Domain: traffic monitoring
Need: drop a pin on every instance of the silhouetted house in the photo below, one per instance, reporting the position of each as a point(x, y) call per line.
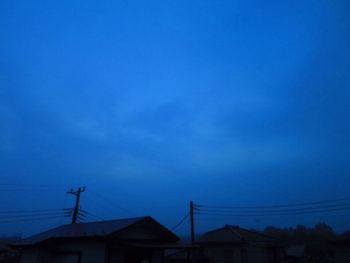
point(7, 252)
point(129, 240)
point(341, 248)
point(238, 245)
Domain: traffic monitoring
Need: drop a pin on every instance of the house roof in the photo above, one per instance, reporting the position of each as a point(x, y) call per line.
point(98, 229)
point(235, 234)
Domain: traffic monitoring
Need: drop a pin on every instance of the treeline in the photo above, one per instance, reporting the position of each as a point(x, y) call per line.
point(301, 234)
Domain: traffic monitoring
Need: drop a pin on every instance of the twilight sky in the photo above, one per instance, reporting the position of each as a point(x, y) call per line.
point(154, 103)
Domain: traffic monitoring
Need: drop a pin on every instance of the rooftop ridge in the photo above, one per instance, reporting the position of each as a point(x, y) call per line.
point(253, 231)
point(108, 220)
point(233, 230)
point(96, 228)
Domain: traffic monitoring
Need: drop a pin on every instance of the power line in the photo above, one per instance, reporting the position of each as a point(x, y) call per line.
point(294, 209)
point(81, 218)
point(28, 220)
point(181, 221)
point(277, 210)
point(98, 205)
point(192, 210)
point(60, 220)
point(91, 215)
point(276, 205)
point(29, 211)
point(274, 214)
point(30, 215)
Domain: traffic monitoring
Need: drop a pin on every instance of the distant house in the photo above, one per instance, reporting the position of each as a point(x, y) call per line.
point(341, 248)
point(132, 240)
point(239, 245)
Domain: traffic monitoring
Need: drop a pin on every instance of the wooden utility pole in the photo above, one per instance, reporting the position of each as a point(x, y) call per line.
point(77, 199)
point(192, 222)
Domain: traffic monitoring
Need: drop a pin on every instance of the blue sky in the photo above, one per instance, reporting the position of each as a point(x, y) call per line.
point(154, 103)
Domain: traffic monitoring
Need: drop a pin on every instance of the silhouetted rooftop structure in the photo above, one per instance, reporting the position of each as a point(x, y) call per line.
point(235, 234)
point(98, 229)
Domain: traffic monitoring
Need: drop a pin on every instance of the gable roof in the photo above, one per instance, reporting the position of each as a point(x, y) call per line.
point(235, 234)
point(98, 229)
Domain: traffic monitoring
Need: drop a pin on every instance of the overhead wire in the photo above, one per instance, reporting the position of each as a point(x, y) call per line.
point(90, 215)
point(98, 206)
point(28, 219)
point(277, 205)
point(180, 222)
point(30, 216)
point(324, 206)
point(18, 214)
point(275, 214)
point(307, 209)
point(29, 211)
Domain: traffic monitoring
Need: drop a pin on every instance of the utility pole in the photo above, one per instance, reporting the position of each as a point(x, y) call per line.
point(77, 199)
point(192, 222)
